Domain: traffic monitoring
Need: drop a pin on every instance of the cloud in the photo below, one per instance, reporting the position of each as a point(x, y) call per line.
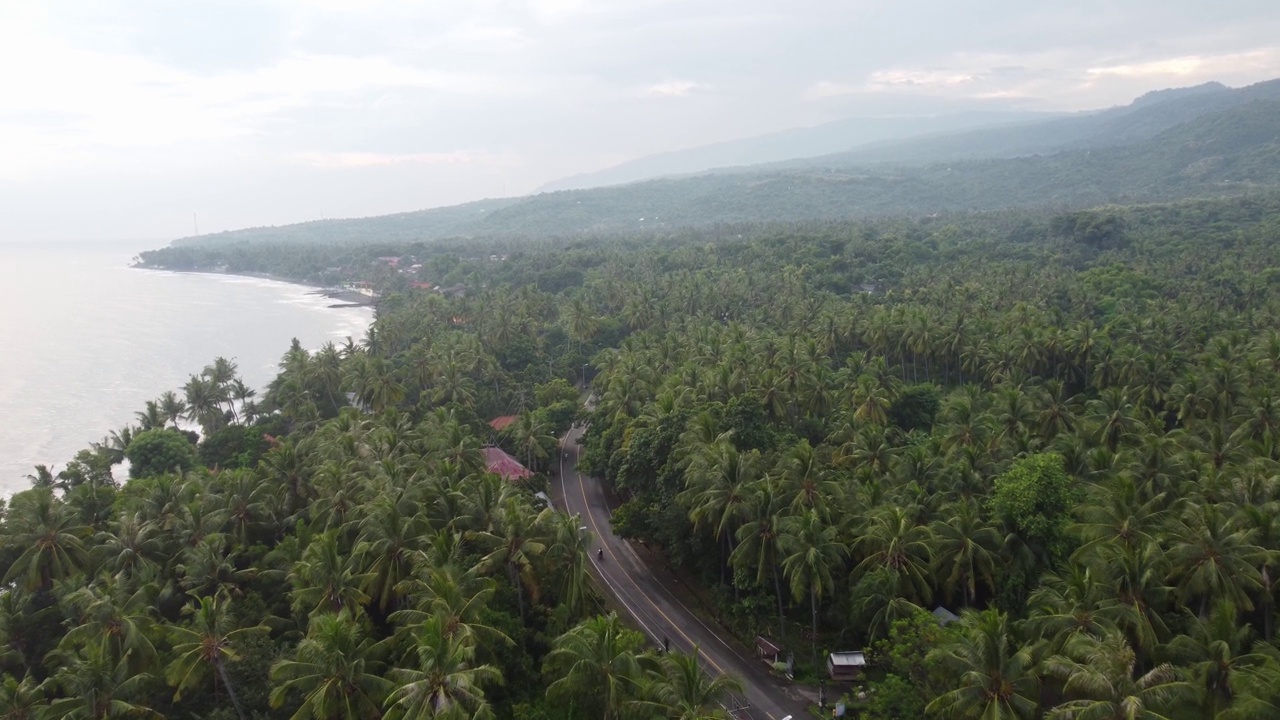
point(1062, 78)
point(884, 79)
point(332, 160)
point(673, 88)
point(1194, 66)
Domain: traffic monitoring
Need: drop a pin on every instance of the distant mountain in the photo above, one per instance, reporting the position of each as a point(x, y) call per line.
point(1197, 142)
point(832, 137)
point(1142, 119)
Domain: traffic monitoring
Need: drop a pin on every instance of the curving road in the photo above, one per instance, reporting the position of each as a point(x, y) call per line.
point(653, 607)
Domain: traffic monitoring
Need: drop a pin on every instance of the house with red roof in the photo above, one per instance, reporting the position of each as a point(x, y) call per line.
point(501, 422)
point(498, 462)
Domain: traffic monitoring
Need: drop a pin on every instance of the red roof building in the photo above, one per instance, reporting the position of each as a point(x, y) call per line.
point(501, 422)
point(500, 463)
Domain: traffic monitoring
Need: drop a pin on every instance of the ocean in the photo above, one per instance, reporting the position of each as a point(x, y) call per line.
point(85, 341)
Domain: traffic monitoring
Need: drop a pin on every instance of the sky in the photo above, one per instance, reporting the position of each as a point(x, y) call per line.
point(137, 119)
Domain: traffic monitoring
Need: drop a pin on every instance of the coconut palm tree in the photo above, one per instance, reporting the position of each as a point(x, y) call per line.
point(114, 617)
point(596, 666)
point(456, 598)
point(203, 648)
point(811, 549)
point(1102, 683)
point(566, 557)
point(95, 687)
point(995, 679)
point(324, 579)
point(892, 541)
point(387, 550)
point(172, 407)
point(335, 671)
point(531, 437)
point(966, 550)
point(51, 538)
point(515, 543)
point(759, 536)
point(21, 699)
point(444, 682)
point(151, 416)
point(1216, 648)
point(1212, 558)
point(715, 492)
point(680, 688)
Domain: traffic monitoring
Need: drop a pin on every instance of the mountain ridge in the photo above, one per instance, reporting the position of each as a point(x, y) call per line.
point(1204, 143)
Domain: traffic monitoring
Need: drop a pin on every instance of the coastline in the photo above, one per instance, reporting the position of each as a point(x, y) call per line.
point(345, 298)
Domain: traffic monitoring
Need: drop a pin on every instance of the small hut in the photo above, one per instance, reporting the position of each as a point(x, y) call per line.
point(767, 651)
point(846, 665)
point(944, 616)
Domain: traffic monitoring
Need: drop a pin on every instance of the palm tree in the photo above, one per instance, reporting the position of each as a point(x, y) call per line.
point(810, 549)
point(128, 548)
point(172, 407)
point(387, 550)
point(995, 679)
point(203, 649)
point(204, 403)
point(566, 557)
point(531, 436)
point(967, 549)
point(808, 481)
point(759, 536)
point(94, 687)
point(114, 618)
point(51, 538)
point(715, 491)
point(151, 416)
point(457, 599)
point(1217, 649)
point(1099, 675)
point(679, 688)
point(1256, 689)
point(871, 401)
point(20, 700)
point(596, 665)
point(443, 684)
point(892, 541)
point(1213, 558)
point(324, 580)
point(514, 548)
point(333, 670)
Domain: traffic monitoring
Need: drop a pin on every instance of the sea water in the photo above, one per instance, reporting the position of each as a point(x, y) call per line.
point(85, 341)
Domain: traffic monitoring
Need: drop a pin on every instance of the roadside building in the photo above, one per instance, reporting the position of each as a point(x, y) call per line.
point(846, 665)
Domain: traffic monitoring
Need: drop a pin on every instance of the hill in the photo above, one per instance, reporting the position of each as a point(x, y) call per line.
point(832, 137)
point(1156, 150)
point(944, 138)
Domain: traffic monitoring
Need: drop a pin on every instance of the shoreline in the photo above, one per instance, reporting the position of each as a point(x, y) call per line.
point(345, 298)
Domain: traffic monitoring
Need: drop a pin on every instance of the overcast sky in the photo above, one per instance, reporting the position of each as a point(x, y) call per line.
point(119, 119)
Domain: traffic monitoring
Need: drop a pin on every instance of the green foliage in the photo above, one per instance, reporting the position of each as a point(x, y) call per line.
point(1036, 498)
point(915, 407)
point(155, 452)
point(1080, 431)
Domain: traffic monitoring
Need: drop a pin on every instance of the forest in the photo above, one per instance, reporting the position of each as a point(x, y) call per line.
point(1062, 426)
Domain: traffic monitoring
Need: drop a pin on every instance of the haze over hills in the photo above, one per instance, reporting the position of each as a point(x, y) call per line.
point(1208, 140)
point(825, 139)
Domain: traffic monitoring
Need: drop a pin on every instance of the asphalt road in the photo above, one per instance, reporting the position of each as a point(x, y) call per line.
point(653, 607)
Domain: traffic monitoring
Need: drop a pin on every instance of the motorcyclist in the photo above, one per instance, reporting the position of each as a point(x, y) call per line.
point(599, 553)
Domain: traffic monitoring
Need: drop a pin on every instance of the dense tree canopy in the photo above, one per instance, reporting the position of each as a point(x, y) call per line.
point(1063, 428)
